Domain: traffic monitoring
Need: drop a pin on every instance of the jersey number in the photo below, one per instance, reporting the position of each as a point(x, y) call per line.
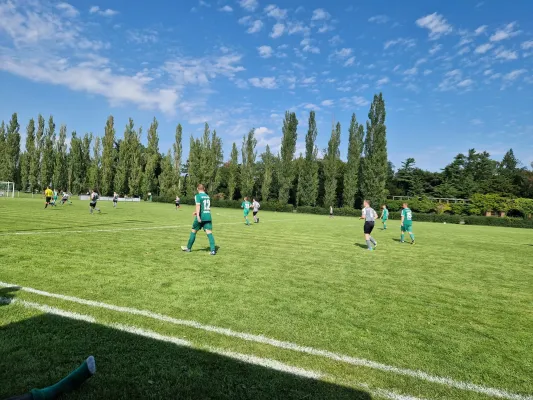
point(207, 205)
point(409, 216)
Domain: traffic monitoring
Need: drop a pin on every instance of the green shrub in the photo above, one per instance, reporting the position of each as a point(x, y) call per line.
point(394, 205)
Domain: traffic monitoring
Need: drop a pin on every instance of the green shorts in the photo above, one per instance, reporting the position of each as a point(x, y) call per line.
point(205, 225)
point(246, 213)
point(384, 220)
point(407, 227)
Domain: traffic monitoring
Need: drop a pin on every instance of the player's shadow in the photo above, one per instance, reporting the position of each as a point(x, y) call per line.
point(7, 294)
point(39, 351)
point(209, 249)
point(396, 240)
point(363, 246)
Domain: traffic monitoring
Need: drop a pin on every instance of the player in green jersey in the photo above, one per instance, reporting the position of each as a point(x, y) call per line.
point(384, 216)
point(407, 223)
point(202, 220)
point(246, 207)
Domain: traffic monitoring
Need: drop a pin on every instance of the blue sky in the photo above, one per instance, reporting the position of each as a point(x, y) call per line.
point(454, 74)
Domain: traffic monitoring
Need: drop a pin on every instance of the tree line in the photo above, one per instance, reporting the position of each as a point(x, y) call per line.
point(124, 164)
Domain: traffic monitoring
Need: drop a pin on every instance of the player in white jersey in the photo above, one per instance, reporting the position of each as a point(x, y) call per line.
point(256, 206)
point(369, 215)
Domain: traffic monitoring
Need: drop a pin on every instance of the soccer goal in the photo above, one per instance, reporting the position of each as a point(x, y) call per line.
point(7, 189)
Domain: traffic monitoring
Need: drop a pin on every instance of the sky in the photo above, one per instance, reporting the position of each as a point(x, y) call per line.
point(455, 74)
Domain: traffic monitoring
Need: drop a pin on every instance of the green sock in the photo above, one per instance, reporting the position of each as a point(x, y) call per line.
point(247, 222)
point(402, 237)
point(412, 237)
point(211, 239)
point(67, 384)
point(192, 238)
point(384, 225)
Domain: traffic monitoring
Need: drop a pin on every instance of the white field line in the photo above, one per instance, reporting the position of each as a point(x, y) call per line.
point(468, 386)
point(249, 359)
point(137, 228)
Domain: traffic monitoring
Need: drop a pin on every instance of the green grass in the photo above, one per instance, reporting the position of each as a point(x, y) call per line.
point(458, 304)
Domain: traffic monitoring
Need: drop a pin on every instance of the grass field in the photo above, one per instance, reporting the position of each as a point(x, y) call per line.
point(291, 308)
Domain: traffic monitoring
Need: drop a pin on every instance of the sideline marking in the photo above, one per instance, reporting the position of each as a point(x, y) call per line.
point(249, 359)
point(468, 386)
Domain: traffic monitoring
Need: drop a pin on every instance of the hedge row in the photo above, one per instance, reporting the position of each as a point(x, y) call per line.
point(350, 212)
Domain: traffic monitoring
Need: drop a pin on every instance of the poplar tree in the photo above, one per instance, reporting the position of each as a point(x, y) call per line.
point(3, 152)
point(48, 159)
point(288, 147)
point(375, 149)
point(12, 150)
point(124, 164)
point(86, 161)
point(35, 162)
point(166, 178)
point(108, 157)
point(96, 164)
point(331, 159)
point(60, 176)
point(249, 142)
point(26, 180)
point(308, 181)
point(268, 161)
point(355, 149)
point(233, 181)
point(153, 159)
point(136, 175)
point(178, 154)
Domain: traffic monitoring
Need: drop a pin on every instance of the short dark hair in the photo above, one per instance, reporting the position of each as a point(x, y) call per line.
point(200, 187)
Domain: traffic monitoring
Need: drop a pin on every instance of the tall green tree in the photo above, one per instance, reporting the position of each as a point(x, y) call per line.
point(12, 150)
point(153, 159)
point(26, 180)
point(288, 147)
point(248, 153)
point(136, 176)
point(108, 157)
point(331, 159)
point(207, 158)
point(86, 160)
point(76, 165)
point(3, 154)
point(233, 182)
point(308, 181)
point(95, 180)
point(353, 164)
point(124, 164)
point(60, 176)
point(375, 148)
point(177, 147)
point(167, 177)
point(35, 162)
point(48, 159)
point(268, 161)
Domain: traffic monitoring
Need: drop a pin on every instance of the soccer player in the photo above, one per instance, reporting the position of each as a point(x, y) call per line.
point(177, 202)
point(115, 199)
point(256, 206)
point(202, 220)
point(369, 215)
point(92, 204)
point(407, 223)
point(65, 198)
point(384, 216)
point(331, 211)
point(246, 207)
point(48, 196)
point(55, 197)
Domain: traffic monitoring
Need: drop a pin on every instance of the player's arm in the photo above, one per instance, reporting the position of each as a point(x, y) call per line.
point(401, 218)
point(362, 215)
point(197, 212)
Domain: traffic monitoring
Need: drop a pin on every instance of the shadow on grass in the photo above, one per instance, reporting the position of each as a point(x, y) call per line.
point(363, 246)
point(39, 351)
point(7, 294)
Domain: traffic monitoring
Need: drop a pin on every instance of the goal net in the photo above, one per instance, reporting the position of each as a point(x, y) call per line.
point(7, 189)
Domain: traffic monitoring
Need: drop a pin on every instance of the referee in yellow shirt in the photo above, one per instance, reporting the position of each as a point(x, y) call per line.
point(48, 196)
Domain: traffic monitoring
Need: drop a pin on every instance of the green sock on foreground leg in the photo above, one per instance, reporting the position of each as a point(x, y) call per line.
point(402, 237)
point(72, 382)
point(192, 238)
point(211, 239)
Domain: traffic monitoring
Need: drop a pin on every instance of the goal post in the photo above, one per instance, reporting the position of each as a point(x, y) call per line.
point(7, 189)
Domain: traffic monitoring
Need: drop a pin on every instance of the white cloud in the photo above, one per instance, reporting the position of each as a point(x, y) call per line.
point(513, 75)
point(327, 103)
point(343, 53)
point(436, 24)
point(476, 121)
point(306, 43)
point(435, 48)
point(465, 83)
point(464, 50)
point(226, 8)
point(504, 33)
point(407, 43)
point(294, 27)
point(320, 14)
point(265, 51)
point(143, 36)
point(349, 62)
point(427, 72)
point(311, 106)
point(326, 28)
point(482, 49)
point(275, 12)
point(353, 102)
point(480, 30)
point(68, 10)
point(277, 30)
point(105, 13)
point(335, 40)
point(454, 80)
point(308, 81)
point(249, 5)
point(379, 19)
point(382, 81)
point(264, 83)
point(411, 71)
point(527, 45)
point(255, 26)
point(504, 54)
